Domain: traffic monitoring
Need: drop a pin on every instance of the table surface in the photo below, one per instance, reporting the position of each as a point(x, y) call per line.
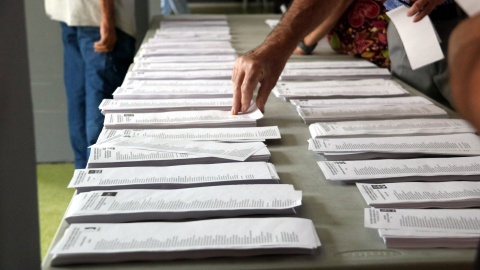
point(336, 209)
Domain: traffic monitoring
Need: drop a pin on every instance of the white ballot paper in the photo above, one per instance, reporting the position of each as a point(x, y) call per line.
point(197, 134)
point(195, 17)
point(434, 220)
point(458, 194)
point(130, 205)
point(325, 103)
point(146, 52)
point(94, 243)
point(149, 105)
point(185, 59)
point(337, 89)
point(179, 75)
point(198, 44)
point(464, 144)
point(367, 112)
point(471, 7)
point(183, 37)
point(235, 151)
point(173, 92)
point(106, 157)
point(178, 119)
point(182, 66)
point(333, 74)
point(428, 239)
point(419, 39)
point(329, 64)
point(401, 170)
point(139, 84)
point(385, 128)
point(174, 177)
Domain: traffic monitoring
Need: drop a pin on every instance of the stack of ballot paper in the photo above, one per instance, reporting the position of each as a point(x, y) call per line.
point(426, 228)
point(401, 170)
point(174, 177)
point(237, 134)
point(239, 151)
point(392, 127)
point(458, 194)
point(212, 59)
point(173, 92)
point(329, 65)
point(149, 105)
point(95, 242)
point(182, 119)
point(129, 205)
point(106, 157)
point(367, 112)
point(179, 75)
point(464, 144)
point(326, 103)
point(182, 66)
point(339, 89)
point(334, 74)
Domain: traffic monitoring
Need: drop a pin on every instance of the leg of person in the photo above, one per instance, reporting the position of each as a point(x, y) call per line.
point(74, 78)
point(104, 73)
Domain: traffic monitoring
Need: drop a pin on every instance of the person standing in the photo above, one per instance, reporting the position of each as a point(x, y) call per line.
point(98, 46)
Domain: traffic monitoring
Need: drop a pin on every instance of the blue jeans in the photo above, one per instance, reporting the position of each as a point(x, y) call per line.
point(89, 78)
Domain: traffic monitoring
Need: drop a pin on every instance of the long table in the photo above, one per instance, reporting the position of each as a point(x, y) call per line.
point(336, 209)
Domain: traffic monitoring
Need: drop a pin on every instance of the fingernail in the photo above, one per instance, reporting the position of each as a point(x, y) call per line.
point(233, 111)
point(244, 108)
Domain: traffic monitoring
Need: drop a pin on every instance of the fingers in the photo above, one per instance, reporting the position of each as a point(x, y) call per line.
point(422, 8)
point(237, 90)
point(250, 82)
point(263, 93)
point(245, 78)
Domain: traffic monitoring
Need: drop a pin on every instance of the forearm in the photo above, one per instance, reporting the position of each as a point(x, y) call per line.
point(302, 18)
point(464, 61)
point(107, 9)
point(324, 28)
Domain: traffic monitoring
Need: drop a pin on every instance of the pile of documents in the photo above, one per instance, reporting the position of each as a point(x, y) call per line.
point(368, 130)
point(107, 242)
point(171, 150)
point(426, 228)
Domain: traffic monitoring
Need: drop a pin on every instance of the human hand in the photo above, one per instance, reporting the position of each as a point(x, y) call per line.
point(422, 8)
point(263, 65)
point(108, 38)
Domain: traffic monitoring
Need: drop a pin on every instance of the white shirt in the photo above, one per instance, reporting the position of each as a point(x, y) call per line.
point(87, 13)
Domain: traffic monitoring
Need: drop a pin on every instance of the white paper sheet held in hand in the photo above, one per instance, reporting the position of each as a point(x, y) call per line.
point(419, 39)
point(458, 194)
point(233, 151)
point(129, 205)
point(390, 170)
point(177, 240)
point(174, 177)
point(435, 220)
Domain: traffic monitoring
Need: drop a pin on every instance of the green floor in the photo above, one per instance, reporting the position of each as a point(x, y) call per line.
point(53, 198)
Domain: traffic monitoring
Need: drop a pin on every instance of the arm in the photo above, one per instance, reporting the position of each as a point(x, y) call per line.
point(422, 8)
point(464, 62)
point(108, 36)
point(325, 27)
point(265, 63)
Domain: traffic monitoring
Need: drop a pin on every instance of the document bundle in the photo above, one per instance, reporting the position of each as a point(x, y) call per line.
point(119, 242)
point(127, 205)
point(465, 144)
point(426, 228)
